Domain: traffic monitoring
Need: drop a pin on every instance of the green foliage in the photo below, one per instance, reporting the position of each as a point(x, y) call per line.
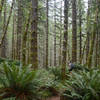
point(83, 85)
point(80, 67)
point(50, 83)
point(19, 82)
point(10, 62)
point(23, 82)
point(56, 71)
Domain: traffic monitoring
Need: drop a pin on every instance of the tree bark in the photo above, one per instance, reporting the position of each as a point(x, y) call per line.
point(24, 42)
point(47, 31)
point(74, 32)
point(34, 24)
point(80, 29)
point(60, 55)
point(4, 45)
point(6, 27)
point(65, 40)
point(89, 60)
point(88, 33)
point(1, 6)
point(13, 35)
point(54, 32)
point(19, 28)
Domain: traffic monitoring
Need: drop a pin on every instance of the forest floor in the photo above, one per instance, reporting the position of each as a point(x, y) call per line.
point(54, 98)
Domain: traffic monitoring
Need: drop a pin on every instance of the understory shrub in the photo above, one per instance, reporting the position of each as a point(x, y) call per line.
point(23, 83)
point(83, 85)
point(19, 82)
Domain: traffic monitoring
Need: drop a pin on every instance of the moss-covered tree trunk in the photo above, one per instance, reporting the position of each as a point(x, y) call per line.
point(19, 28)
point(55, 22)
point(1, 6)
point(4, 45)
point(13, 35)
point(74, 32)
point(80, 30)
point(88, 30)
point(90, 55)
point(24, 40)
point(96, 49)
point(65, 40)
point(7, 23)
point(34, 24)
point(89, 60)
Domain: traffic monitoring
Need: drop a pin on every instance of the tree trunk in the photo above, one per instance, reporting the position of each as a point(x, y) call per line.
point(65, 40)
point(24, 42)
point(1, 6)
point(47, 31)
point(19, 28)
point(80, 29)
point(97, 39)
point(13, 34)
point(60, 55)
point(88, 33)
point(96, 50)
point(54, 32)
point(4, 45)
point(74, 32)
point(6, 27)
point(89, 60)
point(34, 24)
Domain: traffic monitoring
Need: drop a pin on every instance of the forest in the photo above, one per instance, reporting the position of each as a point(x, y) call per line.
point(49, 49)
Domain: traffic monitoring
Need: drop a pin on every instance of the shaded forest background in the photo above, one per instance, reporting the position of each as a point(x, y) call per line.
point(50, 32)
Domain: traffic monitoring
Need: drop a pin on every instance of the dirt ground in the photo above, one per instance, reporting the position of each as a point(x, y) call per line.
point(54, 98)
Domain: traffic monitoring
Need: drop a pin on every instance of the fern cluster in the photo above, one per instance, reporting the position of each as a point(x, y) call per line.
point(19, 82)
point(83, 85)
